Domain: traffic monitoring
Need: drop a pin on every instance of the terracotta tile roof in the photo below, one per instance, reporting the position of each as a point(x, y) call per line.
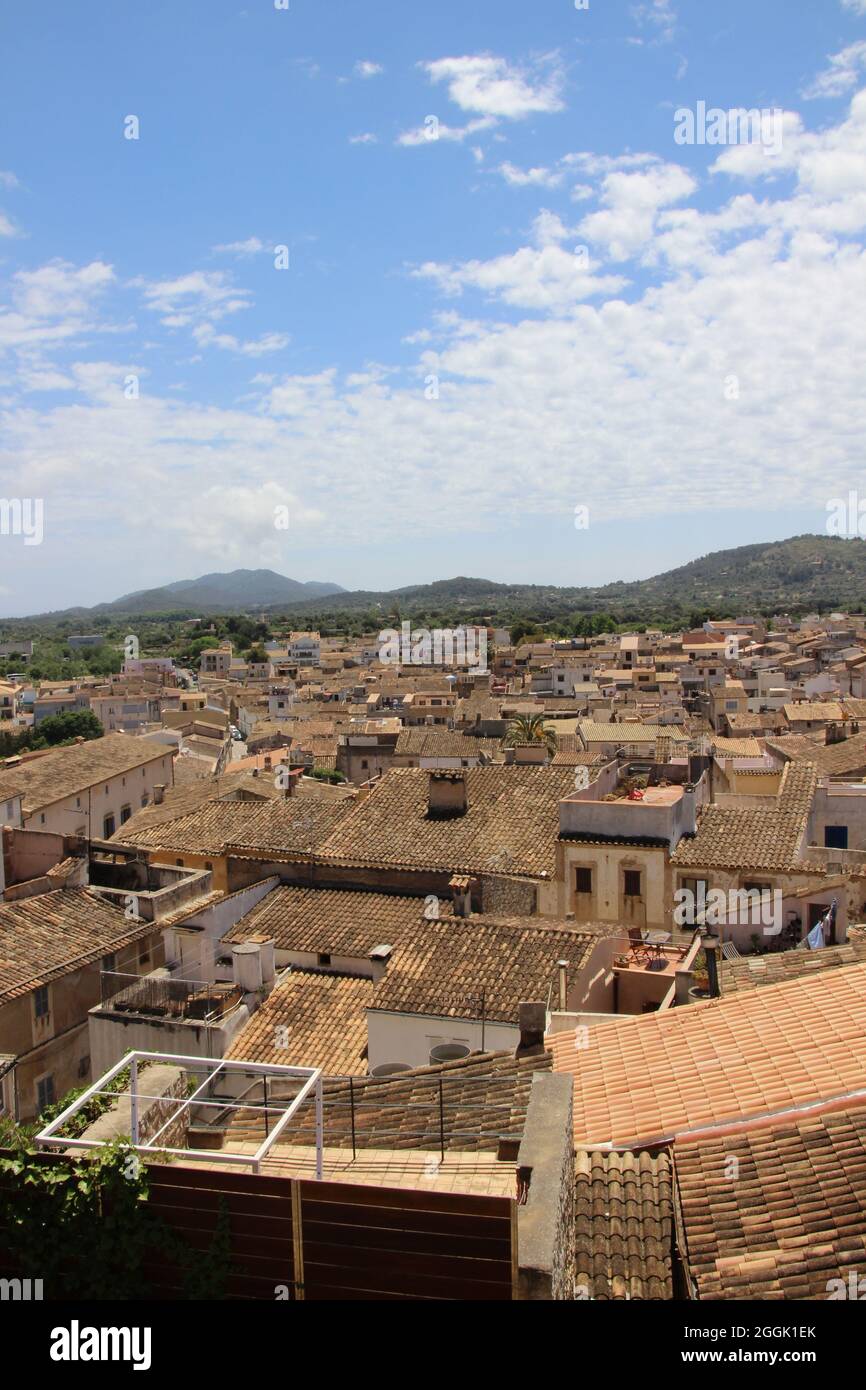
point(753, 723)
point(825, 710)
point(628, 732)
point(292, 825)
point(310, 1020)
point(833, 759)
point(791, 1220)
point(65, 771)
point(432, 743)
point(512, 816)
point(752, 972)
point(55, 933)
point(760, 837)
point(341, 922)
point(484, 1097)
point(737, 747)
point(649, 1077)
point(448, 964)
point(623, 1225)
point(189, 796)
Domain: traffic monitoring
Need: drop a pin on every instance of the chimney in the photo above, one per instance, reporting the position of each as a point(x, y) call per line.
point(159, 794)
point(379, 957)
point(247, 966)
point(461, 895)
point(446, 795)
point(531, 1019)
point(562, 968)
point(689, 822)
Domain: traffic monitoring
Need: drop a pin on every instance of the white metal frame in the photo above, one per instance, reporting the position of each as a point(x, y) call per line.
point(312, 1081)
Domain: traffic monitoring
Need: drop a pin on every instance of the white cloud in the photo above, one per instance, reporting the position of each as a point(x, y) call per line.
point(7, 227)
point(492, 87)
point(206, 336)
point(858, 6)
point(251, 247)
point(367, 138)
point(842, 72)
point(364, 68)
point(431, 134)
point(546, 277)
point(539, 177)
point(201, 292)
point(602, 389)
point(658, 15)
point(627, 221)
point(594, 165)
point(8, 179)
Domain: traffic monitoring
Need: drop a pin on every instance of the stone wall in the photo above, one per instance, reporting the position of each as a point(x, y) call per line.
point(545, 1169)
point(508, 897)
point(167, 1084)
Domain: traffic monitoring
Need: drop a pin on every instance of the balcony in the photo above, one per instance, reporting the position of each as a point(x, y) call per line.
point(163, 996)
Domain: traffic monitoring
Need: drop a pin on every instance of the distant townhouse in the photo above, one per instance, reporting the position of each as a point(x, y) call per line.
point(304, 648)
point(17, 651)
point(8, 700)
point(216, 661)
point(88, 788)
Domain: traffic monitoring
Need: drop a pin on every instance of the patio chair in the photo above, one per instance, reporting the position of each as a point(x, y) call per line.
point(647, 945)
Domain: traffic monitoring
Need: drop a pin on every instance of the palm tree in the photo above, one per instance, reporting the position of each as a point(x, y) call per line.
point(531, 728)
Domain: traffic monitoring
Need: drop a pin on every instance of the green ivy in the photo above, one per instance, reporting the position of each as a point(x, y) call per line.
point(83, 1227)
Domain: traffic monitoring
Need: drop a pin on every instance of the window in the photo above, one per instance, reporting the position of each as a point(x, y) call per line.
point(631, 883)
point(42, 818)
point(40, 1002)
point(583, 880)
point(125, 813)
point(324, 958)
point(835, 837)
point(83, 1067)
point(44, 1092)
point(179, 863)
point(78, 803)
point(109, 962)
point(107, 827)
point(143, 952)
point(208, 865)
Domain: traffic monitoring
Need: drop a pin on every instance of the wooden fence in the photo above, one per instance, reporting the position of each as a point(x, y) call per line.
point(298, 1239)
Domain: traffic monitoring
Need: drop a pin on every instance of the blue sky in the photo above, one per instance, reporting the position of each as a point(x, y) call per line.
point(551, 305)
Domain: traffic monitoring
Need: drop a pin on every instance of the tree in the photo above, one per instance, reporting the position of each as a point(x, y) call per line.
point(257, 656)
point(58, 728)
point(531, 728)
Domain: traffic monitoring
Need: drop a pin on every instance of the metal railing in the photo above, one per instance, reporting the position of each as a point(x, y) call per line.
point(166, 996)
point(449, 1116)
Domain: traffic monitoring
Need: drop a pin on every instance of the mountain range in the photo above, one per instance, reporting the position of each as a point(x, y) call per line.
point(802, 572)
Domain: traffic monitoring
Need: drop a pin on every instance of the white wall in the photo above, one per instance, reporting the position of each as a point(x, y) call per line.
point(85, 811)
point(408, 1038)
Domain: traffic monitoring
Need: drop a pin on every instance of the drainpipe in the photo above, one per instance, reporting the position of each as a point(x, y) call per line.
point(562, 966)
point(711, 946)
